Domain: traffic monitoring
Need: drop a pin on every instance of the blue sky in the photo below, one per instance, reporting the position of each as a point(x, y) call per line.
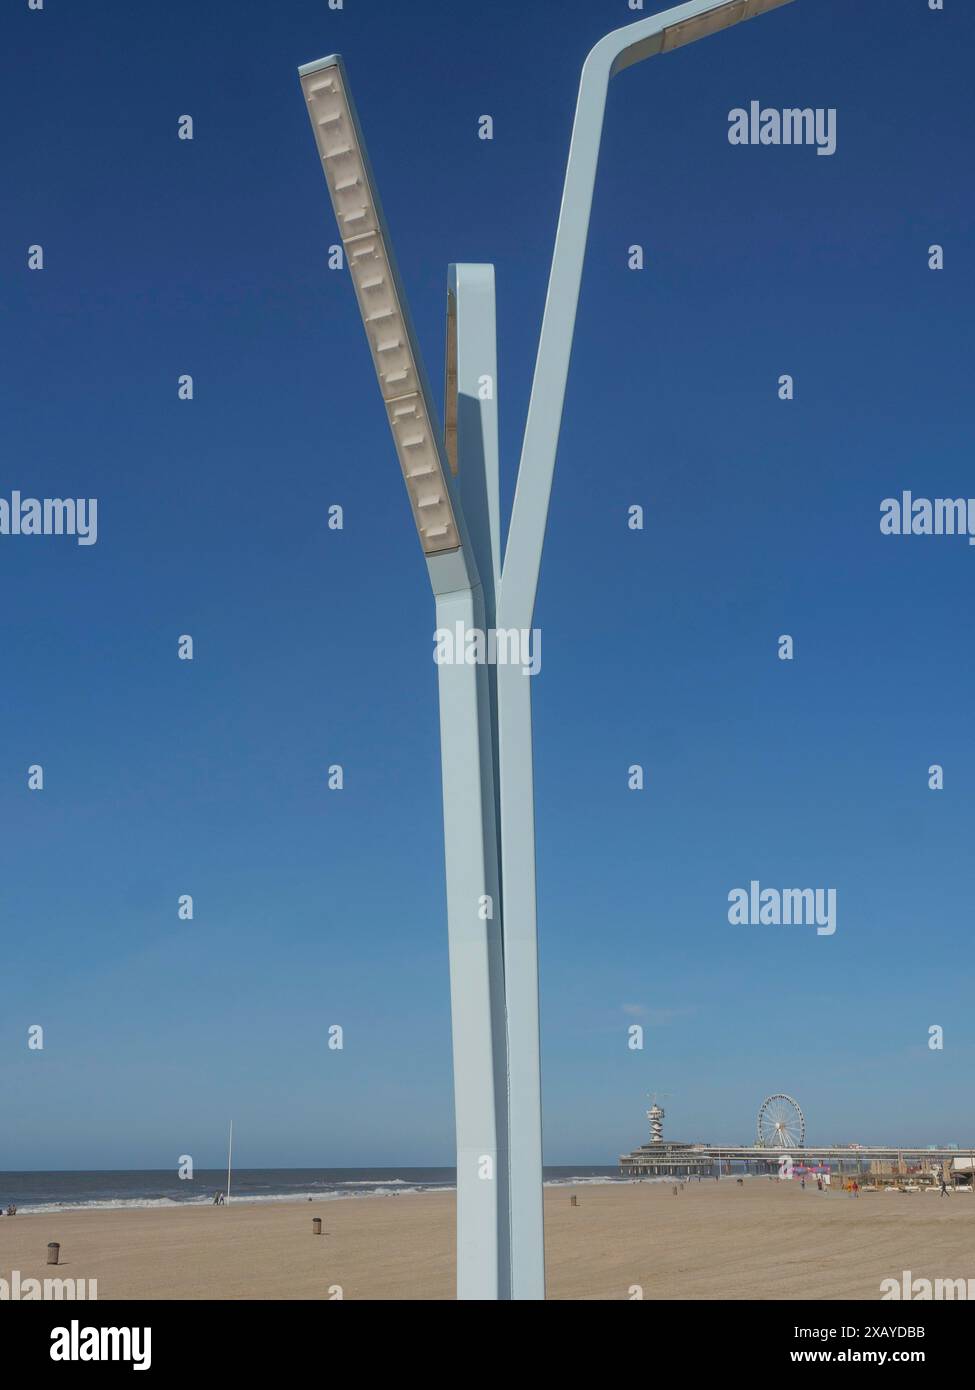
point(312, 907)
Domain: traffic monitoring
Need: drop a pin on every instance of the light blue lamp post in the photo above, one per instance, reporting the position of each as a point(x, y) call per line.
point(485, 711)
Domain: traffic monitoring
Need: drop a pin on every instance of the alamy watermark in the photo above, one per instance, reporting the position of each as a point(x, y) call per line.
point(926, 1290)
point(756, 906)
point(498, 646)
point(791, 126)
point(50, 516)
point(19, 1290)
point(77, 1343)
point(923, 516)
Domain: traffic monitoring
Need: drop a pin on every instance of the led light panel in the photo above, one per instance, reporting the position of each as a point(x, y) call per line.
point(420, 460)
point(732, 12)
point(367, 256)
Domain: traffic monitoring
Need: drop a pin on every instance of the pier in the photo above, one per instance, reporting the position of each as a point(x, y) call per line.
point(782, 1141)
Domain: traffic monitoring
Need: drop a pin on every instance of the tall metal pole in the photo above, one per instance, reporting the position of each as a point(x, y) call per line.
point(474, 906)
point(468, 740)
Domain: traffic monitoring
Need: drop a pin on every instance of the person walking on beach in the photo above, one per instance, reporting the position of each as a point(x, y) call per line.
point(855, 1188)
point(944, 1186)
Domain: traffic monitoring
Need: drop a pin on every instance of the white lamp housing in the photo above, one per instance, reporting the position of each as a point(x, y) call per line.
point(381, 303)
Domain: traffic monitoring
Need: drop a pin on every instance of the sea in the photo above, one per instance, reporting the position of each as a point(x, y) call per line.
point(101, 1191)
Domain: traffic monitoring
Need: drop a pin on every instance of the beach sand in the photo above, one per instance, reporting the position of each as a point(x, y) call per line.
point(765, 1240)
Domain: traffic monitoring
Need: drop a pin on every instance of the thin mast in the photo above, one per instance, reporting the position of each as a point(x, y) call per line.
point(230, 1152)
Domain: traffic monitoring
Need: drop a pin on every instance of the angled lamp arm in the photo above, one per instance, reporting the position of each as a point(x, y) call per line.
point(618, 50)
point(403, 382)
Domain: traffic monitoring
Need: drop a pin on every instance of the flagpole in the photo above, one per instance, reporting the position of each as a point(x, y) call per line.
point(230, 1152)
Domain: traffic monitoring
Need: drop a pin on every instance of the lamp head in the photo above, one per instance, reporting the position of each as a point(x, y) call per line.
point(722, 16)
point(382, 304)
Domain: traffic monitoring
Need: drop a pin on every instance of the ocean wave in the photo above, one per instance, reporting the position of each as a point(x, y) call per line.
point(245, 1199)
point(586, 1180)
point(342, 1190)
point(369, 1182)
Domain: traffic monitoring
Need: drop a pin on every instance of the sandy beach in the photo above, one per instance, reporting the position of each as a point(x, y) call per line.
point(765, 1240)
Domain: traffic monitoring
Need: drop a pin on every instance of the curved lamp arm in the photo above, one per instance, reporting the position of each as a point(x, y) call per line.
point(658, 34)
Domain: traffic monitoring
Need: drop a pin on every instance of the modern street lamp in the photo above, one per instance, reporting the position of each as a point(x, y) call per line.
point(485, 712)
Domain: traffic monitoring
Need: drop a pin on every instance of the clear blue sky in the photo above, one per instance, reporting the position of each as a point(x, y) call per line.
point(163, 777)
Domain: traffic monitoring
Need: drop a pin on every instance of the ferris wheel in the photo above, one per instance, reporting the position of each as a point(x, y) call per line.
point(781, 1123)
